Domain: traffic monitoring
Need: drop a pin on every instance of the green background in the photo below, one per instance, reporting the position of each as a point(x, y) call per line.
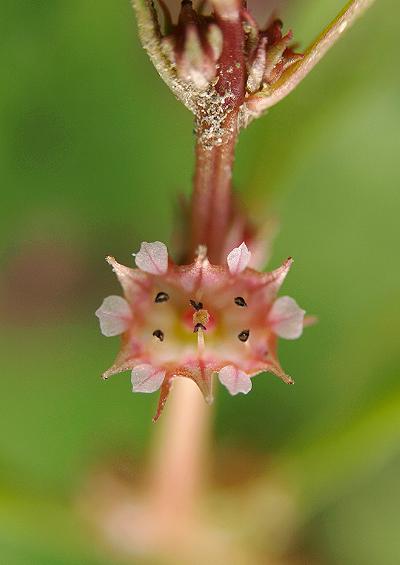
point(94, 152)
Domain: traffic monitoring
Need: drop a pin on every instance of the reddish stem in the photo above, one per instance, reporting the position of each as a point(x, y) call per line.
point(212, 194)
point(212, 210)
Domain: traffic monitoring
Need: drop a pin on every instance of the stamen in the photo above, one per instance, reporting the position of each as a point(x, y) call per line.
point(198, 327)
point(196, 305)
point(162, 297)
point(244, 335)
point(159, 334)
point(240, 301)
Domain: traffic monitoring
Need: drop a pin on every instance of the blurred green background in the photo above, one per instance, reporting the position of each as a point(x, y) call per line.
point(94, 151)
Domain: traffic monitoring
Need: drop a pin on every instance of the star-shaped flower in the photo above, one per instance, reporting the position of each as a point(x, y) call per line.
point(198, 320)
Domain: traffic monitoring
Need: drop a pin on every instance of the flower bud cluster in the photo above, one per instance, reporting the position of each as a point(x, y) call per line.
point(220, 54)
point(218, 51)
point(194, 46)
point(270, 54)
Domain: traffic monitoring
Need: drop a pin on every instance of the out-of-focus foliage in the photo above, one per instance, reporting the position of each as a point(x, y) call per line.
point(94, 151)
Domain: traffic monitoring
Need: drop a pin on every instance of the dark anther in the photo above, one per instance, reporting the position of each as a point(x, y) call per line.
point(244, 335)
point(161, 297)
point(240, 301)
point(159, 334)
point(197, 327)
point(196, 305)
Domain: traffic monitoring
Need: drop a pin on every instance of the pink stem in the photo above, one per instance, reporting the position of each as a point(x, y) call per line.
point(179, 462)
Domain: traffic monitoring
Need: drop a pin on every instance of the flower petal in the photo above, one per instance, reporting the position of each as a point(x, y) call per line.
point(164, 392)
point(286, 318)
point(152, 258)
point(146, 378)
point(201, 372)
point(200, 274)
point(238, 259)
point(271, 362)
point(133, 281)
point(275, 279)
point(235, 380)
point(114, 315)
point(128, 357)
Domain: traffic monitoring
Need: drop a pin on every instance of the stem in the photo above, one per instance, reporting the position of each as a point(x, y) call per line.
point(217, 132)
point(212, 193)
point(179, 461)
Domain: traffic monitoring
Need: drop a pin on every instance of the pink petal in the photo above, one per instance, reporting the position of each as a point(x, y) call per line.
point(235, 380)
point(133, 281)
point(201, 372)
point(164, 392)
point(146, 378)
point(238, 259)
point(286, 318)
point(273, 366)
point(271, 363)
point(114, 316)
point(128, 357)
point(153, 258)
point(274, 280)
point(200, 274)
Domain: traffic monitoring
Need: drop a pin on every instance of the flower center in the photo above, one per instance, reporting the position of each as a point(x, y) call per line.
point(215, 324)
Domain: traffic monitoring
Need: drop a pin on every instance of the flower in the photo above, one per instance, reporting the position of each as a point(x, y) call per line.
point(198, 320)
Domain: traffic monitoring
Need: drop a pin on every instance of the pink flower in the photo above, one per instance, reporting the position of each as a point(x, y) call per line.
point(198, 320)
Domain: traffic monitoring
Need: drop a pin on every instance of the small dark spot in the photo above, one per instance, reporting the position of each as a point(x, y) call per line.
point(159, 334)
point(197, 327)
point(196, 305)
point(240, 301)
point(162, 297)
point(244, 335)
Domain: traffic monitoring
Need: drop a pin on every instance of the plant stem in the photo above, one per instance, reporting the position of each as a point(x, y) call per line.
point(211, 210)
point(179, 462)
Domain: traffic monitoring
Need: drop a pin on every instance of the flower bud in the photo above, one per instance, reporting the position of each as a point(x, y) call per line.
point(271, 56)
point(193, 47)
point(220, 61)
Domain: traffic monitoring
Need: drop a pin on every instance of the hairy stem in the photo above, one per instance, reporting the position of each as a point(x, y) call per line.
point(211, 210)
